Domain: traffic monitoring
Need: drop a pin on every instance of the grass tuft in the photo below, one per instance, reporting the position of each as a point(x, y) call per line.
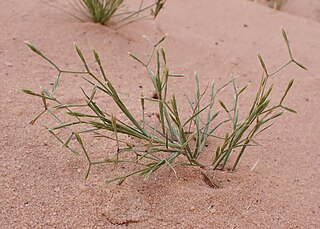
point(101, 11)
point(277, 4)
point(154, 147)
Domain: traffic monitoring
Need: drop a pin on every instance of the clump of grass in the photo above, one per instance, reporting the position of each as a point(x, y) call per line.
point(101, 11)
point(277, 4)
point(156, 147)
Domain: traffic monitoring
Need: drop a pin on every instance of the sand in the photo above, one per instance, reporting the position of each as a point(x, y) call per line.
point(43, 187)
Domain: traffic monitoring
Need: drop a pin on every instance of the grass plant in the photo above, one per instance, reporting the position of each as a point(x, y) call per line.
point(101, 11)
point(277, 4)
point(160, 144)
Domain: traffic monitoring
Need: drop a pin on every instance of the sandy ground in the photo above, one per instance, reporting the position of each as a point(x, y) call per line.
point(42, 187)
